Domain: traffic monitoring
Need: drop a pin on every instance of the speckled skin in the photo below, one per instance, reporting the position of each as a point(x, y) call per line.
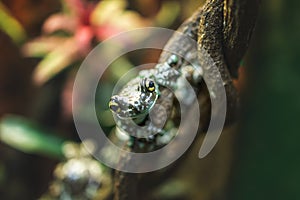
point(136, 102)
point(135, 105)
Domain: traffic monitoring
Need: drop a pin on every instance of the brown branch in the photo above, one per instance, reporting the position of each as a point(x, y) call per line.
point(239, 19)
point(225, 44)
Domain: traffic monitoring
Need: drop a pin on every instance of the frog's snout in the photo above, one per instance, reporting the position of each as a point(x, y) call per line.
point(114, 105)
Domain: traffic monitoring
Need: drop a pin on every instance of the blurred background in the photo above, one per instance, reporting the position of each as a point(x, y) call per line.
point(43, 44)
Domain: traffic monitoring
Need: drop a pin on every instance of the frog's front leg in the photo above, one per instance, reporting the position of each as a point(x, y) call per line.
point(150, 130)
point(143, 132)
point(158, 139)
point(167, 76)
point(169, 72)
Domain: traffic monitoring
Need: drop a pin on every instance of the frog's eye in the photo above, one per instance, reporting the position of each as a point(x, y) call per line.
point(150, 85)
point(114, 106)
point(173, 60)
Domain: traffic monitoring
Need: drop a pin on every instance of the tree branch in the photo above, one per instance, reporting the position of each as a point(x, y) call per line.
point(239, 21)
point(236, 25)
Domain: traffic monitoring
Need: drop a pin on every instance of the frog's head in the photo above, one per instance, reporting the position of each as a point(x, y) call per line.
point(135, 99)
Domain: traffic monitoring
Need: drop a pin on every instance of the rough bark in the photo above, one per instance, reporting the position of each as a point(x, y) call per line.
point(239, 21)
point(225, 30)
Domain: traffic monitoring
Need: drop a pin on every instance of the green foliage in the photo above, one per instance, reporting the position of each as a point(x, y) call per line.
point(11, 26)
point(26, 136)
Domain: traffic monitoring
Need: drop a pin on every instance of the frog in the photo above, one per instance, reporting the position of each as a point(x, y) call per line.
point(139, 95)
point(135, 99)
point(134, 103)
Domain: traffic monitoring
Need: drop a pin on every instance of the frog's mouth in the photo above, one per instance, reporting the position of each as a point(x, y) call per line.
point(137, 117)
point(132, 107)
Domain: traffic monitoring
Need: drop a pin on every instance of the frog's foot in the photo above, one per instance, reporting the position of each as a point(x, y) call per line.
point(166, 137)
point(154, 141)
point(142, 142)
point(192, 73)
